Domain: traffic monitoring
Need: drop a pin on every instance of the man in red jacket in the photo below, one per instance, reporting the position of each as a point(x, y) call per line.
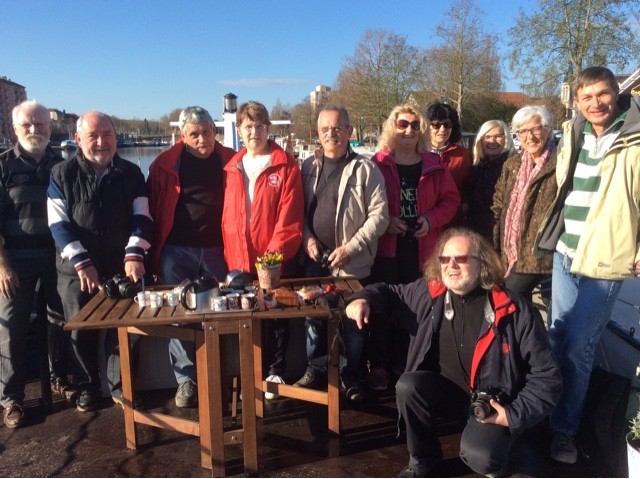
point(186, 188)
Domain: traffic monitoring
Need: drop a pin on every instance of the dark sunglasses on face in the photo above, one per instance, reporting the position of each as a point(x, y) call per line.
point(437, 124)
point(462, 259)
point(404, 124)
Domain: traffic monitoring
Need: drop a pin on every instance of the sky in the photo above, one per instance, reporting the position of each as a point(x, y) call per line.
point(143, 59)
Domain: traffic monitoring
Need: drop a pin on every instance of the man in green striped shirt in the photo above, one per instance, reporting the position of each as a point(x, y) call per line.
point(593, 228)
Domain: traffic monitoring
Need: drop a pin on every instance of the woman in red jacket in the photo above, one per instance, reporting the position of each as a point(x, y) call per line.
point(422, 198)
point(445, 132)
point(263, 211)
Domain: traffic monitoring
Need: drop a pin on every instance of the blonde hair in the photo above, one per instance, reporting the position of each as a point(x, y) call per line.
point(387, 139)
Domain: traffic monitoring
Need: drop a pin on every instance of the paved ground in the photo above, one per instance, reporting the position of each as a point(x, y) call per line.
point(293, 443)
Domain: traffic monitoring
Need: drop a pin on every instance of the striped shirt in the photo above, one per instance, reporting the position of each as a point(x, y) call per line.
point(585, 183)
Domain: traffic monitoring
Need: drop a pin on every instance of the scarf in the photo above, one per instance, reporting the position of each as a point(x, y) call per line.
point(513, 220)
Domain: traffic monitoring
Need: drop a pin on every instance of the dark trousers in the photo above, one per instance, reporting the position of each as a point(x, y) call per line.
point(423, 396)
point(525, 283)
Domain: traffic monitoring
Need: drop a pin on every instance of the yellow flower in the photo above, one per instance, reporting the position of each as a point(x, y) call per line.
point(269, 258)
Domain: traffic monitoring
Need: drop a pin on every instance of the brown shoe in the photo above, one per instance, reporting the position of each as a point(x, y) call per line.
point(13, 415)
point(61, 386)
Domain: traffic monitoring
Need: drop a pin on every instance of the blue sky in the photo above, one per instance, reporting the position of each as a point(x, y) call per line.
point(142, 59)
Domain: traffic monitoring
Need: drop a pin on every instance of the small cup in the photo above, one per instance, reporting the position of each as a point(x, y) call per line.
point(248, 301)
point(156, 300)
point(141, 299)
point(234, 300)
point(172, 298)
point(218, 303)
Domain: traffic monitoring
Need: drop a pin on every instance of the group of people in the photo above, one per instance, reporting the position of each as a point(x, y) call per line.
point(449, 245)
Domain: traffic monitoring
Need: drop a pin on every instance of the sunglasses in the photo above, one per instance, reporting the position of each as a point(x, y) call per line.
point(437, 124)
point(462, 259)
point(404, 124)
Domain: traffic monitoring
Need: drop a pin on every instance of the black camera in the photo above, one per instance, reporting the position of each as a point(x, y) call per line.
point(412, 227)
point(480, 407)
point(121, 287)
point(324, 261)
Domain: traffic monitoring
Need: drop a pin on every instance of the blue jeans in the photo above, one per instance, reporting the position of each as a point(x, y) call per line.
point(580, 310)
point(316, 339)
point(177, 264)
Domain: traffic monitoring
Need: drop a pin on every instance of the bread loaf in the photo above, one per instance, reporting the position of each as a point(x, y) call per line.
point(285, 297)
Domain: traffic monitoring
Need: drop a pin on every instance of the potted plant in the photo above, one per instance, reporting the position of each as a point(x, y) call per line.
point(269, 268)
point(633, 447)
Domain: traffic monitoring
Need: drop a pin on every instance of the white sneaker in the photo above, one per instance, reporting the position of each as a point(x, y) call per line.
point(273, 379)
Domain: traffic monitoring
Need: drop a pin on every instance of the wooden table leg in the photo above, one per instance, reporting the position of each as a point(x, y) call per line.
point(257, 365)
point(208, 366)
point(250, 390)
point(127, 388)
point(333, 378)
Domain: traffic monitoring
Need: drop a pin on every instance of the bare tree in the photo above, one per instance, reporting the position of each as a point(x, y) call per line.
point(466, 63)
point(378, 76)
point(572, 34)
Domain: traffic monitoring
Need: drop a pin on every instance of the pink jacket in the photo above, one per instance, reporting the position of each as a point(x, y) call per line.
point(438, 200)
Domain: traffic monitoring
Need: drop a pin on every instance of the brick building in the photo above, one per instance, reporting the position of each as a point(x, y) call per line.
point(10, 95)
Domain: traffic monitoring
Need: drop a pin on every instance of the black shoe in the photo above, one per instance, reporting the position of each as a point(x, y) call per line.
point(87, 401)
point(312, 380)
point(416, 470)
point(353, 391)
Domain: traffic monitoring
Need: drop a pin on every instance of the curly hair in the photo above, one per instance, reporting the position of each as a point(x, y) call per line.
point(387, 139)
point(491, 268)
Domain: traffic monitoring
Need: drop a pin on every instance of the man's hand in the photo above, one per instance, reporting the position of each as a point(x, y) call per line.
point(9, 281)
point(359, 311)
point(313, 249)
point(339, 257)
point(500, 417)
point(89, 279)
point(134, 270)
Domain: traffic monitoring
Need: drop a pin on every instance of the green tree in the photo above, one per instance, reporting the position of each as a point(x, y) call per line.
point(572, 35)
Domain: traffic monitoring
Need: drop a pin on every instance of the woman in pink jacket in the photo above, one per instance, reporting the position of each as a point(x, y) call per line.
point(422, 198)
point(263, 211)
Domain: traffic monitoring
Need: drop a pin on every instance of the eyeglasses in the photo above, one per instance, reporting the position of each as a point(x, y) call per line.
point(437, 124)
point(493, 138)
point(535, 131)
point(458, 260)
point(404, 124)
point(336, 129)
point(259, 127)
point(27, 126)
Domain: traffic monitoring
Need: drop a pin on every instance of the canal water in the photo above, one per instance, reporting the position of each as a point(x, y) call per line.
point(139, 155)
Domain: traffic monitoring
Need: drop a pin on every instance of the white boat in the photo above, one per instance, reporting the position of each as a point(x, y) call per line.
point(69, 145)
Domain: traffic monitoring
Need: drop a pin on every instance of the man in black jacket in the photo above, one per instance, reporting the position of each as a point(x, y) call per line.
point(99, 218)
point(469, 338)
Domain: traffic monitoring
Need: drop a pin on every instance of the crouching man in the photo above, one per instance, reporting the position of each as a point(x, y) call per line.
point(473, 343)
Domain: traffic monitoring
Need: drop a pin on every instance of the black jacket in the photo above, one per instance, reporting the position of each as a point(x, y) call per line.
point(512, 354)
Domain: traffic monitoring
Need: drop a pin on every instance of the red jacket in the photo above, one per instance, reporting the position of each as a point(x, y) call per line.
point(163, 184)
point(460, 163)
point(277, 211)
point(438, 200)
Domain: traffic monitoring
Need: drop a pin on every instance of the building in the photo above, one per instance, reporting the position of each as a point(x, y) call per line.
point(319, 96)
point(10, 95)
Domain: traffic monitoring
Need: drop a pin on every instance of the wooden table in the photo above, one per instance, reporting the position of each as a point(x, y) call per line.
point(330, 397)
point(125, 315)
point(129, 318)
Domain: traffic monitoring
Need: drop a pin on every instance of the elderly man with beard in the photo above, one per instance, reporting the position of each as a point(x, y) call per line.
point(27, 252)
point(477, 352)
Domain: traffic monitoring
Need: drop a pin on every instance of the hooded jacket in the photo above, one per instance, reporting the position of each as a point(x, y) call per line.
point(164, 191)
point(511, 354)
point(277, 211)
point(438, 200)
point(609, 242)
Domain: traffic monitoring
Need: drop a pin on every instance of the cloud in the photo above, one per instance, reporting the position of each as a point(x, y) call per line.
point(257, 82)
